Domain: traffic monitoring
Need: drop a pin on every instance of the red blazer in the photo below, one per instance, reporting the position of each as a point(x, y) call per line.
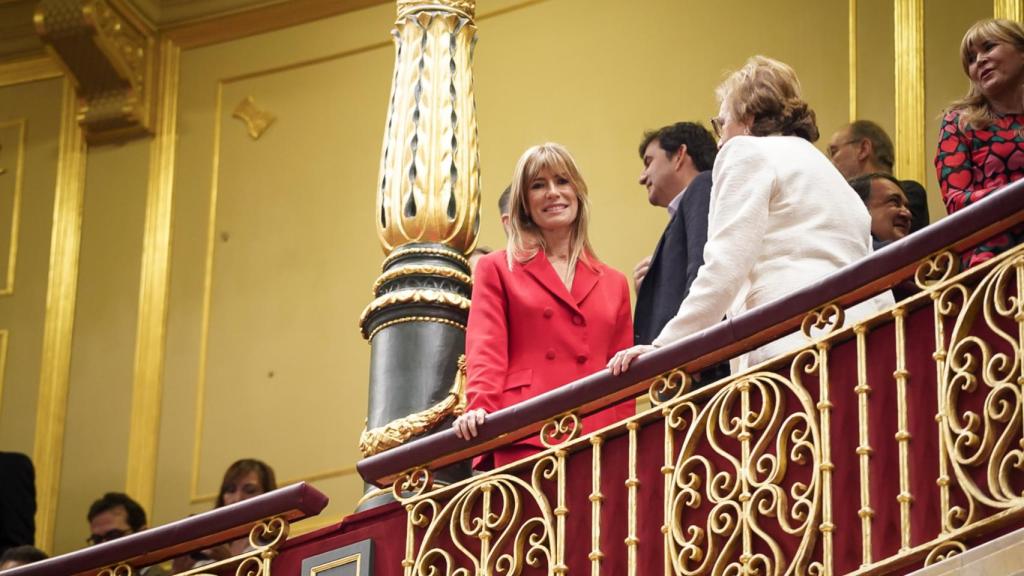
point(527, 334)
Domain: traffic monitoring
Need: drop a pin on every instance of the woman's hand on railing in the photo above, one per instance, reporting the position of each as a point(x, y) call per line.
point(622, 359)
point(465, 425)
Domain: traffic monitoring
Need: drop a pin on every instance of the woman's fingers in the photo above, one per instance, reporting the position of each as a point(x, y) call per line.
point(623, 358)
point(466, 424)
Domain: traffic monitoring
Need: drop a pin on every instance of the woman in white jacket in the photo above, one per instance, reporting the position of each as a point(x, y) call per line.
point(781, 215)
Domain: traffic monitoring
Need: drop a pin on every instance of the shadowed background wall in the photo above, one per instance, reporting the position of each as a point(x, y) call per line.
point(273, 249)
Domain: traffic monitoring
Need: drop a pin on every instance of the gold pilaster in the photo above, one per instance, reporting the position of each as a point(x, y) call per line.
point(430, 172)
point(909, 42)
point(147, 387)
point(1009, 9)
point(111, 54)
point(60, 316)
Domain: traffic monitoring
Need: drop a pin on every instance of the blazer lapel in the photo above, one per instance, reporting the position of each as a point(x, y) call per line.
point(583, 282)
point(541, 270)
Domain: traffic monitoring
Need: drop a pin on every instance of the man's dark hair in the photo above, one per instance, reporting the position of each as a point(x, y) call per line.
point(862, 184)
point(111, 500)
point(23, 555)
point(503, 200)
point(880, 141)
point(700, 145)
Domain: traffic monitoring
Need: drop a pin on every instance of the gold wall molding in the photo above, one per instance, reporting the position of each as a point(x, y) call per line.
point(29, 70)
point(229, 27)
point(909, 43)
point(1009, 9)
point(147, 382)
point(111, 54)
point(256, 119)
point(17, 174)
point(5, 336)
point(60, 316)
point(852, 42)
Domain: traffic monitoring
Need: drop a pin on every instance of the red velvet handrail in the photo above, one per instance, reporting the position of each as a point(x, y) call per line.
point(197, 532)
point(998, 212)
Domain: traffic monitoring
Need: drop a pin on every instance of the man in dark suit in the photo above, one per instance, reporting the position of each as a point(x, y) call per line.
point(17, 500)
point(677, 163)
point(862, 148)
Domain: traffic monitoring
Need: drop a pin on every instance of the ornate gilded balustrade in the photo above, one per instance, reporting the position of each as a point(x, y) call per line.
point(264, 520)
point(878, 446)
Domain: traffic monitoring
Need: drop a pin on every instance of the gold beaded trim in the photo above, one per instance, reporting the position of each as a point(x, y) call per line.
point(390, 323)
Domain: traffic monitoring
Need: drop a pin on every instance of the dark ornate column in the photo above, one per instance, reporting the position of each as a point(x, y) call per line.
point(427, 219)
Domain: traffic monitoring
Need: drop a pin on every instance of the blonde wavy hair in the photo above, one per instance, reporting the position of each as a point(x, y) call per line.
point(767, 92)
point(975, 111)
point(524, 237)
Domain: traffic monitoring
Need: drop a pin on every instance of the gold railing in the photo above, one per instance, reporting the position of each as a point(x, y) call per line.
point(885, 444)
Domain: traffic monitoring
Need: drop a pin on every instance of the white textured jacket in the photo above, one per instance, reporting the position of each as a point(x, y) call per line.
point(781, 217)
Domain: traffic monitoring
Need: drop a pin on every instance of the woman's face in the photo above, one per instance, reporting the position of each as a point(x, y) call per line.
point(243, 488)
point(551, 201)
point(728, 127)
point(995, 67)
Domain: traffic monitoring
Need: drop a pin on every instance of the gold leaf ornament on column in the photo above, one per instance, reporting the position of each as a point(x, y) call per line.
point(429, 184)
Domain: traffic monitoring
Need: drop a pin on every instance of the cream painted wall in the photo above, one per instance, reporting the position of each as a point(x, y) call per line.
point(21, 313)
point(274, 251)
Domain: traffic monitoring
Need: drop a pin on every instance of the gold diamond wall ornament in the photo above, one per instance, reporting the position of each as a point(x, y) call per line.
point(256, 119)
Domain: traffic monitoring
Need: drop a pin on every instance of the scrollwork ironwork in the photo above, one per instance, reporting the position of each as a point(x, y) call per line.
point(746, 461)
point(935, 270)
point(982, 394)
point(496, 525)
point(669, 386)
point(560, 430)
point(828, 319)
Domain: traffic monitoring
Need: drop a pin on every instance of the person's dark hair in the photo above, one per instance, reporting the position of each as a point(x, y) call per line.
point(700, 144)
point(111, 500)
point(242, 468)
point(767, 92)
point(23, 555)
point(862, 184)
point(503, 200)
point(880, 141)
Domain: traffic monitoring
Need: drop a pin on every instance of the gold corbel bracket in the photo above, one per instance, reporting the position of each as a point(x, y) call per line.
point(110, 54)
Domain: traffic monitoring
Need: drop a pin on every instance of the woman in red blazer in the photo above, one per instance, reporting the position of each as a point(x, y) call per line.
point(545, 311)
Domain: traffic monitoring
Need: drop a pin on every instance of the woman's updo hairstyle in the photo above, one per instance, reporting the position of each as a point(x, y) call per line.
point(767, 92)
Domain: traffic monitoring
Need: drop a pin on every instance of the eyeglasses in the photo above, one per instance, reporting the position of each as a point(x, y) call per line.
point(716, 124)
point(106, 536)
point(834, 149)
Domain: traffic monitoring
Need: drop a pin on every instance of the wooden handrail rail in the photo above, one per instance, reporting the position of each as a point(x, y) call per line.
point(183, 536)
point(999, 211)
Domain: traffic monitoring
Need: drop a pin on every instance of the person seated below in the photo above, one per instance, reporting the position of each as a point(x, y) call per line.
point(20, 556)
point(114, 516)
point(862, 148)
point(244, 479)
point(887, 205)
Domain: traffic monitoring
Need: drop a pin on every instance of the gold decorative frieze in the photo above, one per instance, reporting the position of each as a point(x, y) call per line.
point(256, 119)
point(466, 8)
point(111, 55)
point(438, 297)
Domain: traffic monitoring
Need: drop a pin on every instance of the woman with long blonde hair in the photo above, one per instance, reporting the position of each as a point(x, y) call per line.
point(545, 310)
point(981, 142)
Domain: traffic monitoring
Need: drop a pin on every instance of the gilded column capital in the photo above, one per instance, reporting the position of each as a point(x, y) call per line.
point(464, 7)
point(111, 55)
